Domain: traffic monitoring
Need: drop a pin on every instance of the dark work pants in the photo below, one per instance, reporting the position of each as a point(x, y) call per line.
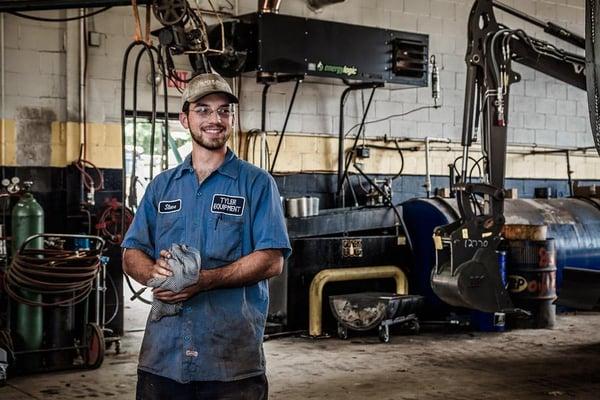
point(154, 387)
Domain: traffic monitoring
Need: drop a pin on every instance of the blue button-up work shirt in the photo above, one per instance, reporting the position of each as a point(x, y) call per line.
point(233, 212)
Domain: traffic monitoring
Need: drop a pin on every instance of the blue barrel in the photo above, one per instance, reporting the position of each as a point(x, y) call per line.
point(421, 216)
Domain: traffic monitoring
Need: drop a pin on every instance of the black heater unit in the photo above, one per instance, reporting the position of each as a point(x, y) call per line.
point(281, 44)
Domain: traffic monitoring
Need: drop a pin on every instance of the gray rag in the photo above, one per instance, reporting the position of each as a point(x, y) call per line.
point(185, 263)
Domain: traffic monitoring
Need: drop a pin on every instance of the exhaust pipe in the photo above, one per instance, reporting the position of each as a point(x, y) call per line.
point(269, 6)
point(317, 5)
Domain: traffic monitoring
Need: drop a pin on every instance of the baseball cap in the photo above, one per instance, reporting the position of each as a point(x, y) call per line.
point(205, 84)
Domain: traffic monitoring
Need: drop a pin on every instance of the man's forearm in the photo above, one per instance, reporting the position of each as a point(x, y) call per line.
point(256, 266)
point(138, 265)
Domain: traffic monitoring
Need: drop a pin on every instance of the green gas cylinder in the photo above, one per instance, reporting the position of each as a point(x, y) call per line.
point(27, 220)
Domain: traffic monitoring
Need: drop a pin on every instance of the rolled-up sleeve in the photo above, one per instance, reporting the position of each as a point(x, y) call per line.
point(141, 233)
point(268, 225)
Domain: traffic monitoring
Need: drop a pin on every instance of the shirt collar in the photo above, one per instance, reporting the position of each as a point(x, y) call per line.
point(185, 166)
point(228, 168)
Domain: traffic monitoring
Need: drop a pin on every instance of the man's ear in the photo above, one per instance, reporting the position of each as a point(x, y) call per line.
point(183, 118)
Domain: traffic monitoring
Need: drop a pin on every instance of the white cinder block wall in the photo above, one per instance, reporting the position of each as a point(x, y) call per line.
point(543, 111)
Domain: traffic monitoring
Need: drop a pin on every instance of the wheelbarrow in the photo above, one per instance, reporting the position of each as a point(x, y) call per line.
point(370, 310)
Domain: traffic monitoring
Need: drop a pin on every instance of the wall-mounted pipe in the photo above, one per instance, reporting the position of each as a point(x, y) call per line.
point(427, 174)
point(82, 86)
point(315, 292)
point(269, 6)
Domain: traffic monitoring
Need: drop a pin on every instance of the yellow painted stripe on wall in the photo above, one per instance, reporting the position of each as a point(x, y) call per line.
point(103, 144)
point(299, 153)
point(8, 152)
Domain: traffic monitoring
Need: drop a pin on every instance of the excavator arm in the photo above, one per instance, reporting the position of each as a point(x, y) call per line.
point(467, 271)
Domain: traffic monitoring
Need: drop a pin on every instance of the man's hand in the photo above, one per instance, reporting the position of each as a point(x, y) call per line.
point(161, 268)
point(168, 296)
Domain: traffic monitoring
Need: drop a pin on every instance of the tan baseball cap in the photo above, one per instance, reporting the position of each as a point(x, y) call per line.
point(205, 84)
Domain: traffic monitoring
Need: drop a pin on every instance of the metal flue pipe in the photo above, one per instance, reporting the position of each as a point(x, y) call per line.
point(269, 6)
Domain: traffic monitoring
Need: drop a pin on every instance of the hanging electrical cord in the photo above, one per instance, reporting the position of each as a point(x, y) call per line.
point(117, 302)
point(137, 295)
point(65, 276)
point(401, 160)
point(165, 132)
point(287, 117)
point(391, 117)
point(348, 159)
point(239, 114)
point(123, 136)
point(43, 19)
point(146, 49)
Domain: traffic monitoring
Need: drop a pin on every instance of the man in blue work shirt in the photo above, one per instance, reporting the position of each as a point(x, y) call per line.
point(230, 211)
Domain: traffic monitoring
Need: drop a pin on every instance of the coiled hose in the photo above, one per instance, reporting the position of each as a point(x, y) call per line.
point(64, 276)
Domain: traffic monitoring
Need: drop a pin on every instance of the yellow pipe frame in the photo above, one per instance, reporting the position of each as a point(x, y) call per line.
point(315, 296)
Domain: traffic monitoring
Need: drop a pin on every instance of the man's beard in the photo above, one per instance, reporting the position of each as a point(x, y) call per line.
point(210, 144)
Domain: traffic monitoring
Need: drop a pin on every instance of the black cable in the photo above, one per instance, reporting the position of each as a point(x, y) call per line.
point(391, 116)
point(132, 187)
point(478, 168)
point(123, 136)
point(162, 66)
point(153, 118)
point(458, 173)
point(148, 50)
point(43, 19)
point(388, 201)
point(401, 159)
point(476, 206)
point(357, 137)
point(117, 303)
point(347, 159)
point(287, 117)
point(352, 191)
point(140, 298)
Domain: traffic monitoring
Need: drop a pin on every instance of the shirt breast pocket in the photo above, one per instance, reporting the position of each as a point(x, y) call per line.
point(169, 229)
point(224, 240)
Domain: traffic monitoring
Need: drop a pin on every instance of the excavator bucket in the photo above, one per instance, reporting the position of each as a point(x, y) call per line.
point(475, 283)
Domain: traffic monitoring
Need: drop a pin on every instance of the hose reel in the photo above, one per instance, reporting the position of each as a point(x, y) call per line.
point(170, 12)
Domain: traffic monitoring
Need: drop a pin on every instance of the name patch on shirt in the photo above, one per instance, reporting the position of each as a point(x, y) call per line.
point(230, 205)
point(169, 206)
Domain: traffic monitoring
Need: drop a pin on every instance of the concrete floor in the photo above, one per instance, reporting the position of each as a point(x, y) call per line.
point(563, 363)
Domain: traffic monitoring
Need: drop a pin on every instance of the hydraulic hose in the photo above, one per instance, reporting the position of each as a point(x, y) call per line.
point(65, 276)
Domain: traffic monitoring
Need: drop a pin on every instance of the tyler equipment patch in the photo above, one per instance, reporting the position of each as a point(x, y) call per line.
point(169, 206)
point(230, 205)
